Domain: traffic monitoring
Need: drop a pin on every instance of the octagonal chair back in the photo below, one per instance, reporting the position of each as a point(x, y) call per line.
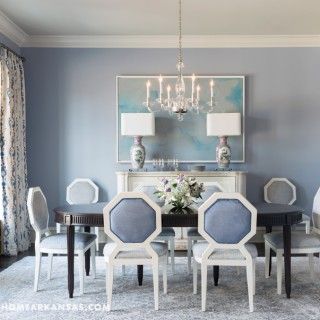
point(280, 190)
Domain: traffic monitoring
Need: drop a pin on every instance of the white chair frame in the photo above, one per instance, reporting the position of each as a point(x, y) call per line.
point(306, 219)
point(206, 261)
point(169, 240)
point(154, 261)
point(95, 200)
point(194, 239)
point(39, 251)
point(279, 252)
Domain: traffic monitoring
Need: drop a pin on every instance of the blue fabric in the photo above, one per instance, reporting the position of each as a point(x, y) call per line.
point(167, 232)
point(59, 241)
point(227, 221)
point(132, 220)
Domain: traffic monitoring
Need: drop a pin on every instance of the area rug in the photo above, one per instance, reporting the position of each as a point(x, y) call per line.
point(229, 300)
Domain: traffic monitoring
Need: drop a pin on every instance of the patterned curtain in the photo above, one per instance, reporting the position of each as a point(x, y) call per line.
point(15, 226)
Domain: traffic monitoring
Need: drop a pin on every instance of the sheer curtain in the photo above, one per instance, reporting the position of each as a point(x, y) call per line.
point(15, 226)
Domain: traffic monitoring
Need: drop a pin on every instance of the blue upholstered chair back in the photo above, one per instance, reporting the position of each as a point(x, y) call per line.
point(227, 221)
point(132, 220)
point(280, 190)
point(38, 210)
point(82, 191)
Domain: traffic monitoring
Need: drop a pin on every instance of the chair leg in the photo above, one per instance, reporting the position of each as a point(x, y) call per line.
point(311, 265)
point(96, 231)
point(254, 276)
point(58, 228)
point(195, 276)
point(37, 270)
point(279, 271)
point(266, 259)
point(167, 243)
point(50, 256)
point(250, 284)
point(155, 271)
point(172, 254)
point(93, 260)
point(81, 271)
point(165, 278)
point(189, 254)
point(204, 275)
point(308, 227)
point(109, 284)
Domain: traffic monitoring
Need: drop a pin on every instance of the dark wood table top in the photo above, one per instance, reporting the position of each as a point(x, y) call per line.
point(91, 214)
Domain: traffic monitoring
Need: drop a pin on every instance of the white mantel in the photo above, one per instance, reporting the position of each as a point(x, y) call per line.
point(230, 181)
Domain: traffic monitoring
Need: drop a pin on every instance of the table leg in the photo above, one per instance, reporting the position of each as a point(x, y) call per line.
point(87, 254)
point(216, 275)
point(70, 249)
point(287, 258)
point(140, 274)
point(269, 230)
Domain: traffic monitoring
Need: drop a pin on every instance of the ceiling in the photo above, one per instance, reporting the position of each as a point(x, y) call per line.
point(159, 17)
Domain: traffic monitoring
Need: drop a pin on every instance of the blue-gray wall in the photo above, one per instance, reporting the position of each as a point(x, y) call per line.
point(71, 112)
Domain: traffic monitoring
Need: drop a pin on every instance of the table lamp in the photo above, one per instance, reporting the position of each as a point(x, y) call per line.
point(223, 125)
point(137, 125)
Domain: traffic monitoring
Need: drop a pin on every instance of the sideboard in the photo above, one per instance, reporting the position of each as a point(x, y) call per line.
point(229, 181)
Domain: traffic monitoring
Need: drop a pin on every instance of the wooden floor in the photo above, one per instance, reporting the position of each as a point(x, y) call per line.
point(6, 262)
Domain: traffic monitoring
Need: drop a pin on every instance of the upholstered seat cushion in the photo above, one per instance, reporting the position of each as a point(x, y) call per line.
point(299, 240)
point(167, 232)
point(193, 232)
point(222, 254)
point(160, 248)
point(59, 241)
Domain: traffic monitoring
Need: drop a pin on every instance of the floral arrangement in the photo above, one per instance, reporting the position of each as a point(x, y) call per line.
point(179, 192)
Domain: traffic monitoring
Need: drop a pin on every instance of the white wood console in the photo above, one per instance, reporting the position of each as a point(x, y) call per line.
point(230, 181)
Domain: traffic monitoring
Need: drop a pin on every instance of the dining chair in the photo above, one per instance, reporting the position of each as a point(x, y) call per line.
point(301, 243)
point(82, 191)
point(283, 191)
point(192, 233)
point(56, 243)
point(132, 220)
point(227, 241)
point(167, 234)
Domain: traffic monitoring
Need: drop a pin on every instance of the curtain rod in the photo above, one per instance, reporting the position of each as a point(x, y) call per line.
point(4, 46)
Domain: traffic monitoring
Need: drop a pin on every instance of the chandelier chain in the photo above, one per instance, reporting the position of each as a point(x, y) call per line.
point(180, 34)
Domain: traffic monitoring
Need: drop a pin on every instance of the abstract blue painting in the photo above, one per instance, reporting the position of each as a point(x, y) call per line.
point(184, 140)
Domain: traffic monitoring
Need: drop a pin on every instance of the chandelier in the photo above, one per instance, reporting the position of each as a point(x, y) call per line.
point(181, 102)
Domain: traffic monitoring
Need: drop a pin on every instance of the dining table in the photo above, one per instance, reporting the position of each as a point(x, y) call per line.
point(91, 215)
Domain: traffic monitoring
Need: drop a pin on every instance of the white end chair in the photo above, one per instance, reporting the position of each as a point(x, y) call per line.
point(226, 240)
point(132, 220)
point(82, 191)
point(192, 233)
point(167, 234)
point(300, 244)
point(281, 190)
point(57, 243)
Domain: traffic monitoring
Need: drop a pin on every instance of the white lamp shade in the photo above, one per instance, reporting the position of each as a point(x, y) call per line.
point(223, 124)
point(137, 124)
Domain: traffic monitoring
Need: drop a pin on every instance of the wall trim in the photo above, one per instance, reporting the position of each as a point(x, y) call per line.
point(9, 29)
point(170, 41)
